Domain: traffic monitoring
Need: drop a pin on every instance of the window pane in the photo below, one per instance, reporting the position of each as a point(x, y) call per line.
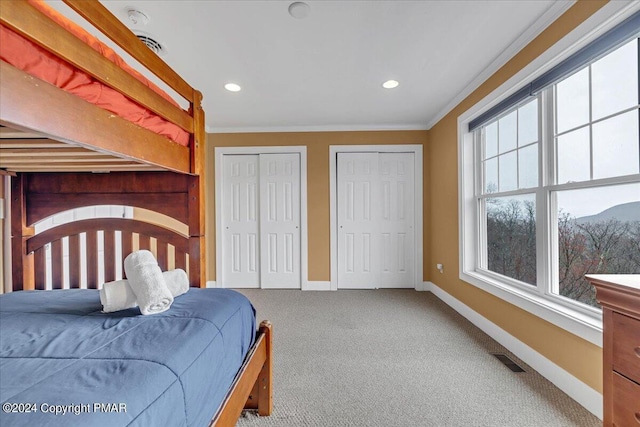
point(573, 156)
point(508, 171)
point(491, 140)
point(508, 136)
point(511, 237)
point(528, 166)
point(614, 80)
point(598, 233)
point(572, 101)
point(528, 123)
point(491, 175)
point(615, 146)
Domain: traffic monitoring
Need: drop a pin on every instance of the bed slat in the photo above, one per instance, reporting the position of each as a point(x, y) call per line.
point(109, 255)
point(144, 242)
point(127, 246)
point(74, 260)
point(57, 269)
point(92, 259)
point(181, 259)
point(40, 266)
point(162, 256)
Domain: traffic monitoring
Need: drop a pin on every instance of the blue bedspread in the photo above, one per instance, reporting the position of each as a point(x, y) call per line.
point(59, 353)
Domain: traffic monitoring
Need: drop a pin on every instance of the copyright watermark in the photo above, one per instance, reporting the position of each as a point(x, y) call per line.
point(69, 409)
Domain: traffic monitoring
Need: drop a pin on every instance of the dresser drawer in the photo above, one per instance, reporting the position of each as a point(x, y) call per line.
point(626, 402)
point(626, 346)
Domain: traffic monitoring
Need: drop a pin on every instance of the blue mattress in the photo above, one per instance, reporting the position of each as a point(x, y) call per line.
point(64, 363)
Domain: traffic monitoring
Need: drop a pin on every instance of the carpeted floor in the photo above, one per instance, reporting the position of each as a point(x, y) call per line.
point(396, 358)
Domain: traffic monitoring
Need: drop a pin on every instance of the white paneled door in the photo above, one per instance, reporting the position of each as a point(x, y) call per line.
point(375, 211)
point(261, 221)
point(240, 212)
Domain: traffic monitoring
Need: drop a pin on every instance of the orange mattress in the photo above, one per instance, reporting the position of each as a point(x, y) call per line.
point(38, 62)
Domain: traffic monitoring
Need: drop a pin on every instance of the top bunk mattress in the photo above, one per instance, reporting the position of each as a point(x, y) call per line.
point(38, 62)
point(69, 363)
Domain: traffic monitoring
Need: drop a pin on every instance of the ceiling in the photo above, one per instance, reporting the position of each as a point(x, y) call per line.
point(325, 71)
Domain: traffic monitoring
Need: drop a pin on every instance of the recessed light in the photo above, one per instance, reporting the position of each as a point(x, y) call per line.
point(232, 87)
point(390, 84)
point(299, 10)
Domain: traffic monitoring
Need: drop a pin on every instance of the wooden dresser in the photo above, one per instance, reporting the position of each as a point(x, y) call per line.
point(619, 295)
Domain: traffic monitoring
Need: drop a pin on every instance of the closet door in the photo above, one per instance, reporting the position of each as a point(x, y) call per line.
point(241, 243)
point(261, 221)
point(396, 225)
point(280, 220)
point(357, 218)
point(376, 211)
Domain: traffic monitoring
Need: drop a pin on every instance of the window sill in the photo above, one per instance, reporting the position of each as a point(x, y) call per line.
point(587, 327)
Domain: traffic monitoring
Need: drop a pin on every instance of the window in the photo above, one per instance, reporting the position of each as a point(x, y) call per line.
point(594, 226)
point(551, 190)
point(510, 175)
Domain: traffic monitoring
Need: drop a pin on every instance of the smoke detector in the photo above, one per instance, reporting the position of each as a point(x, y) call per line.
point(137, 17)
point(299, 10)
point(151, 43)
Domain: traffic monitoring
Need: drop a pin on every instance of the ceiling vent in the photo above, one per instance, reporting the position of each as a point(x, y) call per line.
point(151, 43)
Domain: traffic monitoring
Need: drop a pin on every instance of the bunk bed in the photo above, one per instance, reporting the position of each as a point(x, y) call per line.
point(64, 150)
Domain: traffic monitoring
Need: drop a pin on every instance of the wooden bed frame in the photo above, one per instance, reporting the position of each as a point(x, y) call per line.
point(52, 143)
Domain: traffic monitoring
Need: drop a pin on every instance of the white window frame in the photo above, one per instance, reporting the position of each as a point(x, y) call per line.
point(581, 321)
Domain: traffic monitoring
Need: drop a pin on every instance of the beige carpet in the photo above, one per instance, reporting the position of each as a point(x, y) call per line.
point(396, 358)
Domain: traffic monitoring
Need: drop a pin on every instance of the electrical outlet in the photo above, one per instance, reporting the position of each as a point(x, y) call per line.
point(440, 268)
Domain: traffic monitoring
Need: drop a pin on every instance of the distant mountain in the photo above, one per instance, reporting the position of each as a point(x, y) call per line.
point(625, 212)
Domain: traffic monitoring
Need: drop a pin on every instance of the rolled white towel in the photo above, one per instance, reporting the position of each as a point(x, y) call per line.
point(118, 295)
point(177, 281)
point(147, 283)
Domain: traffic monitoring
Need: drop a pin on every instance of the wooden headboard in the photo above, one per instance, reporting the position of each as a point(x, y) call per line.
point(36, 196)
point(127, 230)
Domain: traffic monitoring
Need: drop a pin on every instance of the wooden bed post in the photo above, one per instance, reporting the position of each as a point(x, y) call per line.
point(264, 384)
point(252, 388)
point(21, 262)
point(197, 246)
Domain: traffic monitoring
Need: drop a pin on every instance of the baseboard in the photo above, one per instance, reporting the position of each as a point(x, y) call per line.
point(576, 389)
point(316, 286)
point(306, 286)
point(423, 287)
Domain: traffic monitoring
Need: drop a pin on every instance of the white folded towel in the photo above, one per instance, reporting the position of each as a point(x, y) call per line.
point(177, 281)
point(147, 283)
point(118, 295)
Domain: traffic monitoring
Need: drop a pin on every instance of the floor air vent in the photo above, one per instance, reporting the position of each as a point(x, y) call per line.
point(508, 362)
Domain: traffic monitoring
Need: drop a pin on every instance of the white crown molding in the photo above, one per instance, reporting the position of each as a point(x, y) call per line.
point(321, 128)
point(553, 13)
